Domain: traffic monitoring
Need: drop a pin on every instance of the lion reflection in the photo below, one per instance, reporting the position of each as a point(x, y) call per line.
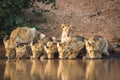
point(71, 70)
point(51, 69)
point(17, 70)
point(97, 70)
point(10, 71)
point(37, 70)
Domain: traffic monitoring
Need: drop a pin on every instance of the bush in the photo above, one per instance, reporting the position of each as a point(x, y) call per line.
point(12, 13)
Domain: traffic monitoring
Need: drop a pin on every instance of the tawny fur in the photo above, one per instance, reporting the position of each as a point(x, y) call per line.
point(21, 51)
point(38, 49)
point(66, 33)
point(72, 48)
point(51, 49)
point(21, 35)
point(96, 46)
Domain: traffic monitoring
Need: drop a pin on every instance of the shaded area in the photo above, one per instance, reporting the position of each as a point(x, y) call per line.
point(2, 50)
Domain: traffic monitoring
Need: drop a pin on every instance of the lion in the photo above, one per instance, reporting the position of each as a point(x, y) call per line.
point(21, 35)
point(21, 51)
point(96, 46)
point(61, 50)
point(71, 49)
point(75, 50)
point(38, 49)
point(51, 49)
point(10, 52)
point(66, 32)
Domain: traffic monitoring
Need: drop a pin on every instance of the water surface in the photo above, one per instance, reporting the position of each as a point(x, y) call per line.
point(102, 69)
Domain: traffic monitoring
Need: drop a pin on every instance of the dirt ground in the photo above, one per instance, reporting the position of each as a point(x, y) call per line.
point(88, 17)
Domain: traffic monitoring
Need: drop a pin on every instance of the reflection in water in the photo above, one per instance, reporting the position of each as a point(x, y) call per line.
point(10, 71)
point(16, 70)
point(37, 70)
point(51, 69)
point(71, 70)
point(97, 70)
point(21, 70)
point(60, 70)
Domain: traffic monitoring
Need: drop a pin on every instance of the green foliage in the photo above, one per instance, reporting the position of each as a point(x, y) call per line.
point(12, 13)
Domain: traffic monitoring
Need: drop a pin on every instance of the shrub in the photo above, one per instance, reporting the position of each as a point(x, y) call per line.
point(12, 13)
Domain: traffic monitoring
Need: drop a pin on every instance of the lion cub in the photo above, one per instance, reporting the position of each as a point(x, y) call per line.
point(21, 51)
point(66, 33)
point(96, 46)
point(71, 49)
point(75, 50)
point(38, 48)
point(51, 49)
point(61, 50)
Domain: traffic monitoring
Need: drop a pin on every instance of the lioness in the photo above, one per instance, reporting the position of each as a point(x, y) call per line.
point(51, 49)
point(21, 35)
point(96, 46)
point(66, 33)
point(10, 52)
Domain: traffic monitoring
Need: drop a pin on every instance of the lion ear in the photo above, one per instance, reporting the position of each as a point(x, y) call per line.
point(58, 44)
point(102, 39)
point(105, 39)
point(31, 44)
point(70, 25)
point(62, 25)
point(85, 40)
point(46, 47)
point(87, 43)
point(5, 38)
point(6, 42)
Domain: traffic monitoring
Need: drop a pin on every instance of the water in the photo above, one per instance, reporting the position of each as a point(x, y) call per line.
point(102, 69)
